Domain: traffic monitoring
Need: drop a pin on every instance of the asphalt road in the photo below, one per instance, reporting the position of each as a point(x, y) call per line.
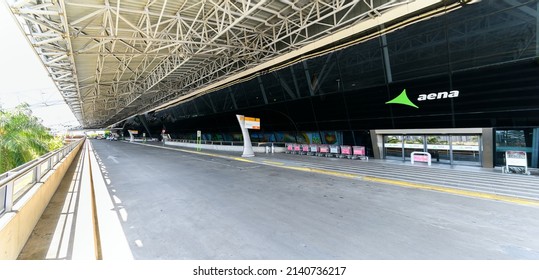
point(177, 205)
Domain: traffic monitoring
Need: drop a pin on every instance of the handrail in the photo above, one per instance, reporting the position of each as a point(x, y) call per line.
point(228, 143)
point(16, 182)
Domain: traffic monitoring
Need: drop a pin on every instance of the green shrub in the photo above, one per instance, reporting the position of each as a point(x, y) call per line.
point(23, 138)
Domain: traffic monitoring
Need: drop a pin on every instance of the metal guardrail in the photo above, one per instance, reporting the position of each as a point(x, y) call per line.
point(228, 143)
point(16, 182)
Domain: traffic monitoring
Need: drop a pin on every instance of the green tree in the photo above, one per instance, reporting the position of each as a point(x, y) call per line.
point(23, 138)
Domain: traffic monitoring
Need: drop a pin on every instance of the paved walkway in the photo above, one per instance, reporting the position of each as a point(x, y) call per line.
point(52, 238)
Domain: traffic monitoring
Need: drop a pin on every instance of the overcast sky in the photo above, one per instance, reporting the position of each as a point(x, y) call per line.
point(24, 79)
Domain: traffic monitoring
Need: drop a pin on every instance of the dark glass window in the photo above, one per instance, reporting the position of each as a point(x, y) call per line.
point(513, 140)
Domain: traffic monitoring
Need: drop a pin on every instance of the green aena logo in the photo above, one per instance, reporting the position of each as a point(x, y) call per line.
point(404, 100)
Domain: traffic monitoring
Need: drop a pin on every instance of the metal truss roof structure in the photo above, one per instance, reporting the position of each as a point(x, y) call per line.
point(112, 59)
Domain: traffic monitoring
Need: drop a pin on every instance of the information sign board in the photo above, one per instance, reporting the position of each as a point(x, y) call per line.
point(252, 123)
point(516, 162)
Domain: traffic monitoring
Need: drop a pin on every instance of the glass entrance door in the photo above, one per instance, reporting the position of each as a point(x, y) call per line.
point(466, 149)
point(448, 149)
point(439, 148)
point(393, 147)
point(413, 143)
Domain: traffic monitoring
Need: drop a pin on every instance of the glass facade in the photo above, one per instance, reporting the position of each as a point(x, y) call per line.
point(439, 147)
point(486, 52)
point(526, 140)
point(393, 147)
point(413, 143)
point(444, 149)
point(466, 149)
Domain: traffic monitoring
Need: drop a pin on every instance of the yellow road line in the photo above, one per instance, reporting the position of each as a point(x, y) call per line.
point(334, 173)
point(273, 162)
point(242, 159)
point(322, 171)
point(475, 194)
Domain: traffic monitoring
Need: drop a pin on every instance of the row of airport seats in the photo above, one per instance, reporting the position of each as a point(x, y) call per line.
point(321, 150)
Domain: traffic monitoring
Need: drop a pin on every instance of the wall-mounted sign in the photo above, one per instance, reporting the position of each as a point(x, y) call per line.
point(404, 100)
point(439, 95)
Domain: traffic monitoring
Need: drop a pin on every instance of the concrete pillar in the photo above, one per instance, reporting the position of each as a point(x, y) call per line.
point(535, 144)
point(376, 144)
point(489, 147)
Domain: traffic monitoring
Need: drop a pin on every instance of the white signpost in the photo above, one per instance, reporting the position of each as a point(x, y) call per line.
point(247, 123)
point(132, 135)
point(199, 140)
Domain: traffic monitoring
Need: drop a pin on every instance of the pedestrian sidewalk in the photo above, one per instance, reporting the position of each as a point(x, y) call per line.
point(52, 237)
point(80, 222)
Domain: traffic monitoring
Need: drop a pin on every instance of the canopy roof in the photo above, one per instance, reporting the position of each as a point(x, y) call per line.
point(113, 59)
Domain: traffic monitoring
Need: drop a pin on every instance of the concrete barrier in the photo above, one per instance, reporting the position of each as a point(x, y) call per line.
point(16, 226)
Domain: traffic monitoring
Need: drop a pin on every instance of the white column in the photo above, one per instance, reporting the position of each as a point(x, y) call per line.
point(131, 136)
point(247, 146)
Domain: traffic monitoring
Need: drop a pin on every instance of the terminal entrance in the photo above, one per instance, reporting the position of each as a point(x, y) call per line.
point(444, 149)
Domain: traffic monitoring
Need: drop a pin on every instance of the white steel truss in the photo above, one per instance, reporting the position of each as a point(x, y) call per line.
point(112, 59)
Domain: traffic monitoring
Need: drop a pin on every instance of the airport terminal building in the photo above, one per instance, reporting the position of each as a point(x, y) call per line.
point(462, 85)
point(455, 82)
